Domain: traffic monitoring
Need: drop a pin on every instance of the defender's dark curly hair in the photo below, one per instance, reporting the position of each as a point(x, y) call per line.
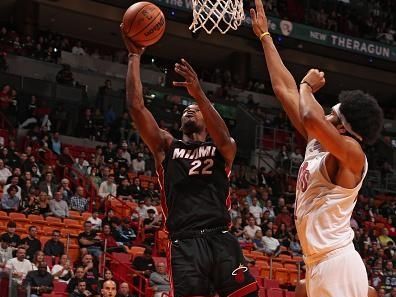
point(363, 113)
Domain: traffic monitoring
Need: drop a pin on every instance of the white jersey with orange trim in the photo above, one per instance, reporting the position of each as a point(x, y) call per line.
point(322, 209)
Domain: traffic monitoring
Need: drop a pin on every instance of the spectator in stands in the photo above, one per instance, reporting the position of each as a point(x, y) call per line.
point(66, 191)
point(90, 240)
point(122, 162)
point(252, 194)
point(284, 217)
point(95, 221)
point(269, 207)
point(110, 242)
point(384, 238)
point(55, 143)
point(31, 243)
point(94, 177)
point(64, 161)
point(108, 187)
point(107, 276)
point(109, 289)
point(4, 173)
point(234, 211)
point(80, 165)
point(40, 281)
point(153, 193)
point(159, 280)
point(256, 210)
point(124, 291)
point(251, 229)
point(138, 164)
point(296, 157)
point(48, 185)
point(151, 224)
point(137, 189)
point(10, 201)
point(295, 246)
point(14, 181)
point(11, 237)
point(259, 244)
point(20, 267)
point(65, 76)
point(78, 50)
point(271, 243)
point(81, 289)
point(124, 190)
point(58, 206)
point(54, 247)
point(5, 97)
point(389, 276)
point(63, 271)
point(78, 202)
point(44, 208)
point(125, 153)
point(5, 253)
point(37, 259)
point(73, 284)
point(283, 158)
point(102, 92)
point(144, 264)
point(90, 270)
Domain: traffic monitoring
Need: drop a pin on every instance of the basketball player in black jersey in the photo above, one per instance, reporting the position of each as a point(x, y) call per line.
point(204, 258)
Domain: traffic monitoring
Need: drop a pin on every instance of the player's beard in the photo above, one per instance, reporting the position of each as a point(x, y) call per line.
point(190, 127)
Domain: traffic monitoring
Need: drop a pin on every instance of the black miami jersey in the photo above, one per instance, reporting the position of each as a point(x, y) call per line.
point(195, 187)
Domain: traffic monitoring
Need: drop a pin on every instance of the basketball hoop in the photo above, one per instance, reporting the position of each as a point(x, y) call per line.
point(221, 14)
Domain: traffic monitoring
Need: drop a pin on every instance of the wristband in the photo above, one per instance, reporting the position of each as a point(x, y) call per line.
point(264, 34)
point(131, 55)
point(307, 83)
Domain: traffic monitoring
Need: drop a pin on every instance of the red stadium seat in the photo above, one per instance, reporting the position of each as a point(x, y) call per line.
point(59, 287)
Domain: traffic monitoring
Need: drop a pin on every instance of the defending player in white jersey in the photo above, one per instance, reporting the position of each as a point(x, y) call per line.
point(331, 174)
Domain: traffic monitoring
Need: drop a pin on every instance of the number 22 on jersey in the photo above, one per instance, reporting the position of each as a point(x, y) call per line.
point(203, 167)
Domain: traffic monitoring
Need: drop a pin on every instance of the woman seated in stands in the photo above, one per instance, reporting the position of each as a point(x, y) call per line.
point(31, 204)
point(44, 208)
point(38, 258)
point(108, 275)
point(63, 271)
point(109, 243)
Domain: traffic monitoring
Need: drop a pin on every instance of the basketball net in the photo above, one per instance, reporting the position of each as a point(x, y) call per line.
point(217, 14)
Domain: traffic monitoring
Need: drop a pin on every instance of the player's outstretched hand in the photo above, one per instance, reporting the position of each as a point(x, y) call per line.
point(191, 82)
point(259, 19)
point(131, 47)
point(315, 79)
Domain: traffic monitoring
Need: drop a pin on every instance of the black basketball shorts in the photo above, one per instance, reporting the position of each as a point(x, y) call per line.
point(204, 266)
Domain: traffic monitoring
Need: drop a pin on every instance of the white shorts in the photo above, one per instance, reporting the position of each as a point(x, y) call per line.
point(341, 275)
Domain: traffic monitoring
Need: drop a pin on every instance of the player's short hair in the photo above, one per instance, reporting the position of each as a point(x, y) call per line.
point(363, 113)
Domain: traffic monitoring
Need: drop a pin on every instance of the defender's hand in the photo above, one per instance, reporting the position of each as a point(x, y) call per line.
point(131, 47)
point(192, 82)
point(315, 79)
point(259, 19)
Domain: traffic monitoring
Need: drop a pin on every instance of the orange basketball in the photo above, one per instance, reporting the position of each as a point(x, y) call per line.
point(144, 23)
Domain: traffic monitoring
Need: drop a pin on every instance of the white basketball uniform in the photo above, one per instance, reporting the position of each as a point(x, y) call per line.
point(322, 216)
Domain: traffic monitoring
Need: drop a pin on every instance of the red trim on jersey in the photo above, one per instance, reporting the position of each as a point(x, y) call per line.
point(169, 264)
point(250, 288)
point(160, 174)
point(228, 199)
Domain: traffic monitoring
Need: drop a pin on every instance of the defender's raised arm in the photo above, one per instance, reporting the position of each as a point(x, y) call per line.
point(282, 81)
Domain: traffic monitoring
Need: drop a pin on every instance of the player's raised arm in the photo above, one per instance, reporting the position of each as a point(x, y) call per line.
point(158, 140)
point(214, 123)
point(347, 150)
point(282, 81)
